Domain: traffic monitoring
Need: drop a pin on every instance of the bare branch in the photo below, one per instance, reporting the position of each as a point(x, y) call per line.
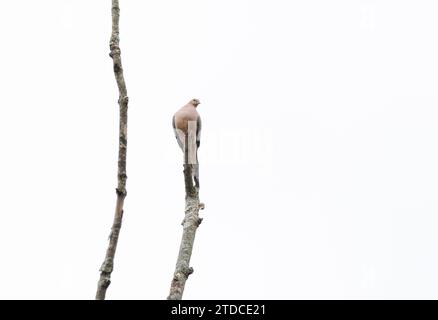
point(107, 266)
point(190, 224)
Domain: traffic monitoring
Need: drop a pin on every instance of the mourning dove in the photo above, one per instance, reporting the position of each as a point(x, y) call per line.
point(186, 122)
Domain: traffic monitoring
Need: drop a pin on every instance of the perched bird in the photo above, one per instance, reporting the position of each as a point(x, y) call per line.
point(186, 123)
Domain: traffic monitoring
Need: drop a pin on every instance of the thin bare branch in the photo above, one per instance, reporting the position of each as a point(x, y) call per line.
point(107, 266)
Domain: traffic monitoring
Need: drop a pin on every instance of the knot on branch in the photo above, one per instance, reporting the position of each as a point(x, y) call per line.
point(121, 192)
point(201, 206)
point(115, 51)
point(182, 271)
point(187, 271)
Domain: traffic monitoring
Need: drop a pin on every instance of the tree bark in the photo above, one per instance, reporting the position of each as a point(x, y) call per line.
point(190, 224)
point(107, 266)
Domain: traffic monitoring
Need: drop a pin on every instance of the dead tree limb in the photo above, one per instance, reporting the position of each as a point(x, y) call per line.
point(190, 224)
point(107, 266)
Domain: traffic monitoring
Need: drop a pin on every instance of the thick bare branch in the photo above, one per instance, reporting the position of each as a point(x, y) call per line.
point(107, 266)
point(190, 224)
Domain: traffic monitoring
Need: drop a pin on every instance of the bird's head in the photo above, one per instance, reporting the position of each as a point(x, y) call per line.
point(195, 102)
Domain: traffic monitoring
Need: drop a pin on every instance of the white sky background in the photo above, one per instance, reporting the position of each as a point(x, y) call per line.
point(318, 155)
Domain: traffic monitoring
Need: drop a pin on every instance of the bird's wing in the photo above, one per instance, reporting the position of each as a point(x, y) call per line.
point(177, 136)
point(198, 131)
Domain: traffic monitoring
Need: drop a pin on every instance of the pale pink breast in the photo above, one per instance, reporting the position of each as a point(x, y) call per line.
point(183, 116)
